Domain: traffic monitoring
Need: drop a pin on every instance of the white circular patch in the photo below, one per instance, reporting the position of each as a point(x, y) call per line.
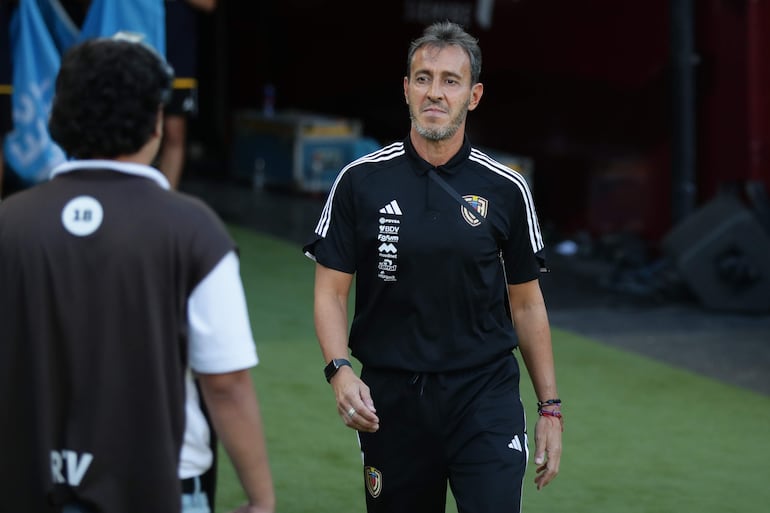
point(82, 216)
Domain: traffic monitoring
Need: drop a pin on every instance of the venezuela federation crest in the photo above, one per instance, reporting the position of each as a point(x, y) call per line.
point(373, 481)
point(479, 204)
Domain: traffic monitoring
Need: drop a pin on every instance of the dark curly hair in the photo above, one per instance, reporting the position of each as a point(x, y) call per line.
point(108, 92)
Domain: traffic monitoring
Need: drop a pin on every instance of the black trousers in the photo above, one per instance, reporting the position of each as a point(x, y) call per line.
point(465, 429)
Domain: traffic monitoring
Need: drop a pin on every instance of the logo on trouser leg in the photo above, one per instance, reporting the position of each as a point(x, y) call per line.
point(373, 481)
point(515, 443)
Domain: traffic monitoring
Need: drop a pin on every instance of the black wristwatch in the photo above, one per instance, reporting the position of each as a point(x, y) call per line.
point(334, 365)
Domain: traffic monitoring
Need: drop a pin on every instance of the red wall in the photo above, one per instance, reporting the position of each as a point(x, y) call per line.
point(734, 93)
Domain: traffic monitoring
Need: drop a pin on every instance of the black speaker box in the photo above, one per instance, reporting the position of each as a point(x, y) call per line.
point(723, 254)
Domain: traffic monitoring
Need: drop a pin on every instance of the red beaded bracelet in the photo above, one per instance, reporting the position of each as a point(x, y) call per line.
point(552, 413)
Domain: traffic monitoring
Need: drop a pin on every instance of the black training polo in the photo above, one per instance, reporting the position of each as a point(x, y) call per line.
point(431, 291)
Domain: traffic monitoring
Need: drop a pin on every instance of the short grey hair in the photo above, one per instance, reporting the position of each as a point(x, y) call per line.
point(446, 33)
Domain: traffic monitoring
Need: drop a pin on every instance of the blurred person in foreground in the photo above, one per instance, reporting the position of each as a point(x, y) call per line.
point(114, 291)
point(445, 244)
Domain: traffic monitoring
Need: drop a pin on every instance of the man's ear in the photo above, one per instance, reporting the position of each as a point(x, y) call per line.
point(476, 92)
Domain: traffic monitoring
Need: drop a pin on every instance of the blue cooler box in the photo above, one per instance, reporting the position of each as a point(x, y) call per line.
point(295, 151)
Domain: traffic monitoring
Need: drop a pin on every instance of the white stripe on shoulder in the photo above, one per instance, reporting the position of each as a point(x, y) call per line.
point(535, 236)
point(386, 153)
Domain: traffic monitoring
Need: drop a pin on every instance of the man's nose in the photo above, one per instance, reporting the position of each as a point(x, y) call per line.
point(435, 92)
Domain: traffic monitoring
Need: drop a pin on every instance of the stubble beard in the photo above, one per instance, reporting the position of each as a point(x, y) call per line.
point(441, 133)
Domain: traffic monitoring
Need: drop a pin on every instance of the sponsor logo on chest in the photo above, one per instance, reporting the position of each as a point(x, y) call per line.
point(389, 225)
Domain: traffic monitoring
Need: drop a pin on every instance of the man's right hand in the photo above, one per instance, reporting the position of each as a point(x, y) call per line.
point(354, 402)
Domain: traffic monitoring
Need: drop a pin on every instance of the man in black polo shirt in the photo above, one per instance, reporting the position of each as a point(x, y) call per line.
point(113, 292)
point(444, 243)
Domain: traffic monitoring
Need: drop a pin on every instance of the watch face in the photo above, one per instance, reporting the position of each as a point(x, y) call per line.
point(331, 369)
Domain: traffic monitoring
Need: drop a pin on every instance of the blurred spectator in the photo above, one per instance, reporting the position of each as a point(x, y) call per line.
point(6, 88)
point(182, 54)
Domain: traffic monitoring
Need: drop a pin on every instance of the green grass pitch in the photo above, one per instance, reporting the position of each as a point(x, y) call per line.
point(640, 436)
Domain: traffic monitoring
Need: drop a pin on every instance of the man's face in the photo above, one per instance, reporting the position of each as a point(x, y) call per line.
point(439, 91)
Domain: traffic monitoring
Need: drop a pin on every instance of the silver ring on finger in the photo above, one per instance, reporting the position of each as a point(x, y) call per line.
point(351, 412)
